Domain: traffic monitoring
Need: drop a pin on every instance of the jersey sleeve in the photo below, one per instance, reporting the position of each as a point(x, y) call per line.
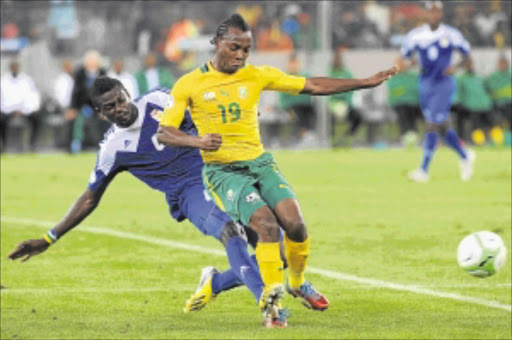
point(177, 102)
point(104, 171)
point(276, 80)
point(159, 96)
point(459, 42)
point(408, 45)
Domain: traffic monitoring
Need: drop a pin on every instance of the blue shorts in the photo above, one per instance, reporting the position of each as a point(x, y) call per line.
point(194, 204)
point(436, 97)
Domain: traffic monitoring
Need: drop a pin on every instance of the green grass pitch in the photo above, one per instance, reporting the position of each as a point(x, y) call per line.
point(388, 244)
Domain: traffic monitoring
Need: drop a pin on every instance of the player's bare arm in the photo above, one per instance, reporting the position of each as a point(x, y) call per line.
point(172, 137)
point(321, 86)
point(404, 64)
point(83, 206)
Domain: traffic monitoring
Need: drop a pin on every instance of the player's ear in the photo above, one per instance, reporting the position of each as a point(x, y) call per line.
point(215, 42)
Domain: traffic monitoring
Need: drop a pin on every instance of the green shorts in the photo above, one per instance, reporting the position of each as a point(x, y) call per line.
point(241, 188)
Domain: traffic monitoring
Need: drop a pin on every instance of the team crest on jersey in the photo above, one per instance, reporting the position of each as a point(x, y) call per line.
point(156, 115)
point(252, 197)
point(242, 92)
point(444, 42)
point(209, 96)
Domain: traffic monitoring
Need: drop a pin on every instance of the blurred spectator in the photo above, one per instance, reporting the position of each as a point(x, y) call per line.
point(488, 21)
point(499, 85)
point(300, 106)
point(86, 128)
point(303, 33)
point(20, 102)
point(64, 21)
point(127, 79)
point(272, 119)
point(10, 31)
point(63, 87)
point(403, 97)
point(352, 28)
point(152, 76)
point(474, 98)
point(94, 31)
point(178, 32)
point(273, 39)
point(251, 14)
point(146, 33)
point(38, 62)
point(341, 104)
point(378, 14)
point(59, 117)
point(372, 105)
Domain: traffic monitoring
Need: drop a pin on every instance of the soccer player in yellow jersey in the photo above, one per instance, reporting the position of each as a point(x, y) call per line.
point(241, 177)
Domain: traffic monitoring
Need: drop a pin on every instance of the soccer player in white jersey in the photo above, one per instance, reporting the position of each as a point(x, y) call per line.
point(131, 145)
point(434, 43)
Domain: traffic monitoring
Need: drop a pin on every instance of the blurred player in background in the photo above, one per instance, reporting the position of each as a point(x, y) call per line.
point(499, 84)
point(127, 79)
point(435, 43)
point(245, 181)
point(403, 98)
point(301, 106)
point(130, 145)
point(341, 104)
point(475, 100)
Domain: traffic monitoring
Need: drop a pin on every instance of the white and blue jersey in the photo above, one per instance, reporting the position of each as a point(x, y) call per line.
point(435, 49)
point(174, 171)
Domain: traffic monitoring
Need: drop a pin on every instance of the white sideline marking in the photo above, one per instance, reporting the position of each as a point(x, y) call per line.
point(67, 290)
point(327, 273)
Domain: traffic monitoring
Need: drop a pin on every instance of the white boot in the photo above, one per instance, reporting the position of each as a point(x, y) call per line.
point(466, 166)
point(419, 175)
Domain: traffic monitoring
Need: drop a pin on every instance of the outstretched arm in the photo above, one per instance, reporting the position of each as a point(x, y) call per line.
point(321, 86)
point(83, 206)
point(170, 136)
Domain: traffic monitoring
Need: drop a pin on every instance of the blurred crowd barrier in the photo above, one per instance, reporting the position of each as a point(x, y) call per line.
point(147, 43)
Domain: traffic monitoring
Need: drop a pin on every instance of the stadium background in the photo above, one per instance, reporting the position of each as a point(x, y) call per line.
point(41, 34)
point(383, 248)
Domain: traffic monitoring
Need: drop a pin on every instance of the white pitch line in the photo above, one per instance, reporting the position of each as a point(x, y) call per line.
point(327, 273)
point(67, 290)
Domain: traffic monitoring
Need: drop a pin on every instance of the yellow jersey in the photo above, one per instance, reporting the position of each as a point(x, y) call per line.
point(227, 104)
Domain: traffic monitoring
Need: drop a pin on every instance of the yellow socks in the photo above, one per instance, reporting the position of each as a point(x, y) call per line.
point(269, 261)
point(297, 256)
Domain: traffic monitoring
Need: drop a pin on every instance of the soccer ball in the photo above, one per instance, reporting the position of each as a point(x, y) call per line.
point(481, 254)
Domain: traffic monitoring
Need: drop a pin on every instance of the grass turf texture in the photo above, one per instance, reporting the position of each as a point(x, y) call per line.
point(364, 218)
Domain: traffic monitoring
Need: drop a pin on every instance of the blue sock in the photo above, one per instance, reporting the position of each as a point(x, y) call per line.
point(451, 139)
point(227, 280)
point(224, 281)
point(244, 270)
point(429, 146)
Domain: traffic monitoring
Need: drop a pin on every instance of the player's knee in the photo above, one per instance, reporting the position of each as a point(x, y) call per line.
point(230, 230)
point(265, 224)
point(296, 230)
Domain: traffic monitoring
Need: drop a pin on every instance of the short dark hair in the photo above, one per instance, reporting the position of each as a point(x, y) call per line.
point(236, 20)
point(101, 85)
